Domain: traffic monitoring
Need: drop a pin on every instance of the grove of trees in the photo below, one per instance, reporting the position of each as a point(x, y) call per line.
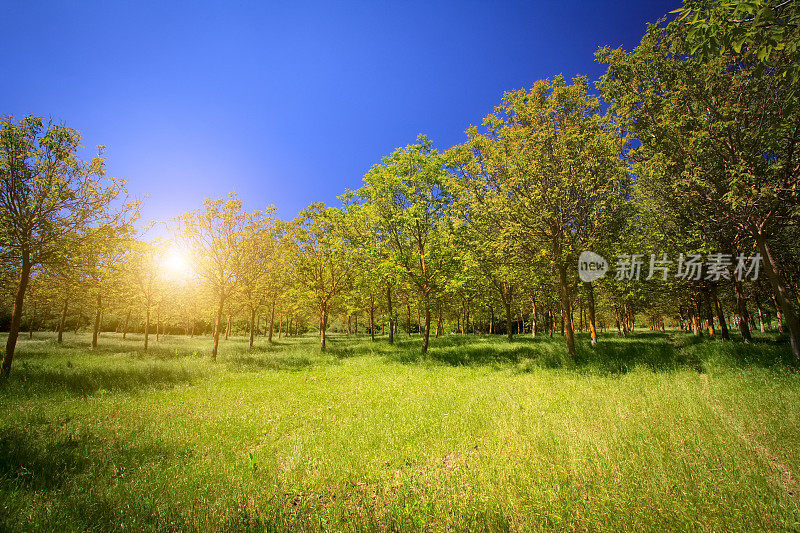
point(685, 151)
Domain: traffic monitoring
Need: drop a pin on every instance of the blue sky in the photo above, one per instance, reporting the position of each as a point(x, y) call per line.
point(285, 103)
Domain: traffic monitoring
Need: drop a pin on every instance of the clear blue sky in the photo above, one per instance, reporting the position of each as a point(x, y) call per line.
point(285, 103)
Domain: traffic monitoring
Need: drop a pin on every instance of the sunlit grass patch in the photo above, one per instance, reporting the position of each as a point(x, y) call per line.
point(646, 433)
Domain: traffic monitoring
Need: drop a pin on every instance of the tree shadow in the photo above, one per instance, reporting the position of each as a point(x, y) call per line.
point(81, 380)
point(50, 464)
point(654, 351)
point(762, 352)
point(252, 362)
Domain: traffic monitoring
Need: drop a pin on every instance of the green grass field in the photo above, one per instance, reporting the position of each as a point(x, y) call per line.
point(654, 432)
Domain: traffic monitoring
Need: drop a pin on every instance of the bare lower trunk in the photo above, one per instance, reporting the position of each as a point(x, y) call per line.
point(741, 309)
point(723, 325)
point(566, 315)
point(712, 332)
point(698, 325)
point(96, 328)
point(217, 327)
point(781, 293)
point(125, 328)
point(391, 312)
point(509, 319)
point(228, 328)
point(146, 328)
point(271, 321)
point(16, 315)
point(534, 318)
point(252, 327)
point(427, 325)
point(32, 322)
point(323, 326)
point(372, 318)
point(592, 323)
point(63, 320)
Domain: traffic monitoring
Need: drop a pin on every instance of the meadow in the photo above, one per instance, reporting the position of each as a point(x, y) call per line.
point(658, 431)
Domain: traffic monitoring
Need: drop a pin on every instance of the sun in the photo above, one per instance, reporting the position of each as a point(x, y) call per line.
point(175, 264)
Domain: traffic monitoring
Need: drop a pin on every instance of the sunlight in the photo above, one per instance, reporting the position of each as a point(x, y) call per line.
point(175, 264)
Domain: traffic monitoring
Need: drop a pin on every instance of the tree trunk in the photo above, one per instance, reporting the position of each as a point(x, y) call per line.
point(96, 329)
point(698, 325)
point(408, 318)
point(127, 320)
point(372, 318)
point(439, 324)
point(146, 327)
point(32, 322)
point(427, 331)
point(741, 309)
point(271, 321)
point(228, 328)
point(16, 315)
point(534, 320)
point(761, 318)
point(723, 326)
point(712, 333)
point(390, 311)
point(592, 317)
point(509, 319)
point(252, 327)
point(63, 321)
point(781, 293)
point(566, 306)
point(323, 326)
point(217, 327)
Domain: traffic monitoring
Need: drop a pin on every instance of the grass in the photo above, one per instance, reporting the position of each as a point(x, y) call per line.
point(653, 432)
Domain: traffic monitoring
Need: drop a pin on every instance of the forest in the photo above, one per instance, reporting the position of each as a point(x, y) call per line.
point(674, 177)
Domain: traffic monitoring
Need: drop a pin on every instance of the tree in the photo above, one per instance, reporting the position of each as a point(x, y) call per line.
point(550, 168)
point(321, 259)
point(765, 33)
point(719, 142)
point(48, 197)
point(411, 204)
point(258, 255)
point(213, 234)
point(106, 247)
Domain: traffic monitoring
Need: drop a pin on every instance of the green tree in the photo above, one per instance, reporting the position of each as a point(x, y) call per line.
point(718, 143)
point(213, 234)
point(550, 169)
point(322, 259)
point(410, 206)
point(48, 197)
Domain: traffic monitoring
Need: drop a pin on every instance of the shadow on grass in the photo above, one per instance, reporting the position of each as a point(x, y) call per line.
point(763, 352)
point(50, 463)
point(89, 380)
point(655, 351)
point(268, 360)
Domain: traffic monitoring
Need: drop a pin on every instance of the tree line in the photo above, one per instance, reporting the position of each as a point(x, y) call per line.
point(687, 146)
